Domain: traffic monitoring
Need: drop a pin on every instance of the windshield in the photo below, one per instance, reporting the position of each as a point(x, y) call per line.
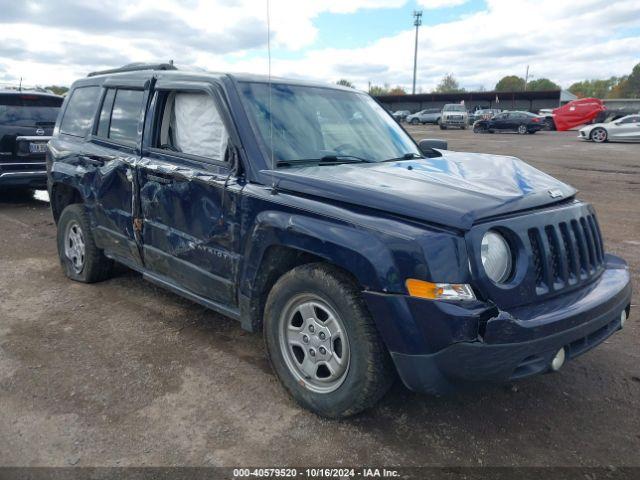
point(314, 122)
point(29, 110)
point(454, 108)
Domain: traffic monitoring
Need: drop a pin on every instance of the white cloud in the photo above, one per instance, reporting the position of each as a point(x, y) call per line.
point(434, 4)
point(57, 42)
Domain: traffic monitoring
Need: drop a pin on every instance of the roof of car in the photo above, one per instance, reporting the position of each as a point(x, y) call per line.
point(205, 75)
point(11, 91)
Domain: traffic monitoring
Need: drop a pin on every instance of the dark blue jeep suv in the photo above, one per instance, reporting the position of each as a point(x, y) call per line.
point(304, 210)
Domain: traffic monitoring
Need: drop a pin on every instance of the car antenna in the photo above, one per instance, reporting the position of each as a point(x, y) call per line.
point(273, 166)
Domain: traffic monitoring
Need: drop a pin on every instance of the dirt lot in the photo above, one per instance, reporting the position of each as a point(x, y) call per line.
point(123, 373)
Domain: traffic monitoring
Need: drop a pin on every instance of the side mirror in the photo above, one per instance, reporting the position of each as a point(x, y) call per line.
point(427, 146)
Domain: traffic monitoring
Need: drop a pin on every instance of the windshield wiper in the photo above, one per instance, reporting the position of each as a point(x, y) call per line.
point(326, 160)
point(406, 156)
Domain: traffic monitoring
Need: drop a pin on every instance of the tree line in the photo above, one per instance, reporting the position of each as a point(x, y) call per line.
point(626, 86)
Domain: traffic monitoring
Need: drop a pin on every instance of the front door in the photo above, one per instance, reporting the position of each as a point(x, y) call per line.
point(189, 194)
point(627, 129)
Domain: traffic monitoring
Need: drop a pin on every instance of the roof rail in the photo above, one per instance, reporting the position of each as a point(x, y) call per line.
point(134, 67)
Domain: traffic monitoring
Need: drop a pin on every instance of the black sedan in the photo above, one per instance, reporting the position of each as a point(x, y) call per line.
point(521, 122)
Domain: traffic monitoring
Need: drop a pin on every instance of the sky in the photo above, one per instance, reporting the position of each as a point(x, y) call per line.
point(49, 42)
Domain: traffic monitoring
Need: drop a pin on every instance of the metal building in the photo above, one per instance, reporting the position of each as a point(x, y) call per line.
point(531, 100)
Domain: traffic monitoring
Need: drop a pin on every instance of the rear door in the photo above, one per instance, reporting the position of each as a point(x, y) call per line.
point(112, 153)
point(189, 194)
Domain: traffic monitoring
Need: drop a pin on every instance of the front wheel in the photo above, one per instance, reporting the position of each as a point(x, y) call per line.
point(479, 129)
point(443, 127)
point(522, 129)
point(599, 135)
point(81, 260)
point(415, 121)
point(323, 344)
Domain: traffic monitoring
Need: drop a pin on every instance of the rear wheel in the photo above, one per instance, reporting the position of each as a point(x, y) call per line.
point(522, 129)
point(80, 258)
point(599, 135)
point(323, 344)
point(443, 127)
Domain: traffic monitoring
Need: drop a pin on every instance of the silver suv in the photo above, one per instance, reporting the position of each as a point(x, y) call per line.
point(430, 115)
point(454, 115)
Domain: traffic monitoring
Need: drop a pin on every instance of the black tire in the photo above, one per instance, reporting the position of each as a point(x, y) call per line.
point(369, 373)
point(463, 127)
point(522, 129)
point(95, 266)
point(479, 129)
point(443, 127)
point(415, 121)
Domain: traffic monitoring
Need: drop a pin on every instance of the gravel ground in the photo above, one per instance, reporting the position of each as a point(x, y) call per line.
point(123, 373)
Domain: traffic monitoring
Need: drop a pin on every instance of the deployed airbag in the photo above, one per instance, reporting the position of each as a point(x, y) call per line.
point(197, 126)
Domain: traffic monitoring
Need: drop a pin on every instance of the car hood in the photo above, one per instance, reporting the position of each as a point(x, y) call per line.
point(455, 190)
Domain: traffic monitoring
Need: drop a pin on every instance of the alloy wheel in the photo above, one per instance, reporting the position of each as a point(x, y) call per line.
point(314, 343)
point(599, 135)
point(74, 246)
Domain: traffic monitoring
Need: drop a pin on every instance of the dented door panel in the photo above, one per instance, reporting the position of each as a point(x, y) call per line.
point(113, 193)
point(190, 226)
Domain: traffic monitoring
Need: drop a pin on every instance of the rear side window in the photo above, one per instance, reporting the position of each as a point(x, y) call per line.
point(127, 108)
point(120, 115)
point(29, 110)
point(78, 116)
point(105, 113)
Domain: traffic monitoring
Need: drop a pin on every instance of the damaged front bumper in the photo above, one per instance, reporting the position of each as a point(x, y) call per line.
point(438, 347)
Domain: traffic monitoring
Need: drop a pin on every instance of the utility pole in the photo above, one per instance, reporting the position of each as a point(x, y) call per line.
point(526, 79)
point(417, 21)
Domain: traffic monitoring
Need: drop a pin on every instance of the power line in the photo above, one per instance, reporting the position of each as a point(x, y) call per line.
point(417, 21)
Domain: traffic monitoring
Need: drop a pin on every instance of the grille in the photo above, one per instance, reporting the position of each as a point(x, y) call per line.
point(567, 253)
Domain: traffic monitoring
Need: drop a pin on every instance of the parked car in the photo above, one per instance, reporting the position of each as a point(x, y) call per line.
point(578, 112)
point(401, 115)
point(429, 115)
point(27, 118)
point(521, 122)
point(483, 114)
point(625, 129)
point(357, 252)
point(454, 115)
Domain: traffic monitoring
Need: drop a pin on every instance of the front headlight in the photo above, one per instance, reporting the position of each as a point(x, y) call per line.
point(496, 257)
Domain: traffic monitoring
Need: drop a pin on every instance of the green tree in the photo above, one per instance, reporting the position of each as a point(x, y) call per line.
point(377, 90)
point(542, 84)
point(628, 86)
point(594, 88)
point(345, 83)
point(510, 83)
point(397, 90)
point(58, 90)
point(633, 82)
point(449, 84)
